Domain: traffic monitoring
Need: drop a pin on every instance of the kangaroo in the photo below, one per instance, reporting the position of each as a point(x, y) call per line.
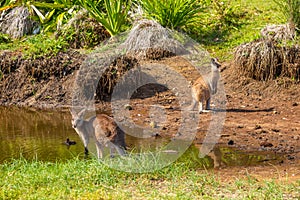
point(203, 88)
point(103, 129)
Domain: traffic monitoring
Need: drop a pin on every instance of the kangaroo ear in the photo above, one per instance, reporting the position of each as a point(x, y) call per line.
point(71, 111)
point(215, 62)
point(81, 113)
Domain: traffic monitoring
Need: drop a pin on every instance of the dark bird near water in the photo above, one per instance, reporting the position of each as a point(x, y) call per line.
point(69, 142)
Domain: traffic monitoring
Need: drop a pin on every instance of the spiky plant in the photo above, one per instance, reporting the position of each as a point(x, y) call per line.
point(174, 14)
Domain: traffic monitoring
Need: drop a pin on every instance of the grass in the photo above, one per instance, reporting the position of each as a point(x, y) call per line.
point(89, 179)
point(251, 17)
point(221, 28)
point(36, 46)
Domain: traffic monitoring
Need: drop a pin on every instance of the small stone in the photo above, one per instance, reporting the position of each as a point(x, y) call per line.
point(296, 137)
point(295, 104)
point(127, 107)
point(290, 157)
point(230, 142)
point(178, 134)
point(275, 130)
point(263, 131)
point(266, 144)
point(257, 126)
point(153, 124)
point(156, 135)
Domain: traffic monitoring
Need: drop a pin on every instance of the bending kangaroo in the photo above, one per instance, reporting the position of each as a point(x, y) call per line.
point(103, 129)
point(203, 88)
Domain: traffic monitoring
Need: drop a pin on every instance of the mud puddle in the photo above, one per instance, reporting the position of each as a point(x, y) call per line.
point(41, 134)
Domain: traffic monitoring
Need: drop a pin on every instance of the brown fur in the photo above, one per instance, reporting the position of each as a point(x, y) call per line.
point(201, 91)
point(103, 129)
point(110, 130)
point(204, 87)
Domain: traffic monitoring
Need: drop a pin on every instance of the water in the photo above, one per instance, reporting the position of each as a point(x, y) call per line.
point(40, 135)
point(36, 135)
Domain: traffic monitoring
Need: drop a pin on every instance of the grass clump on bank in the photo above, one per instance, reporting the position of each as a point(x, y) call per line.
point(89, 179)
point(36, 46)
point(266, 60)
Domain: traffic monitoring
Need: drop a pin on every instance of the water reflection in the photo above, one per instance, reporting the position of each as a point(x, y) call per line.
point(36, 135)
point(41, 135)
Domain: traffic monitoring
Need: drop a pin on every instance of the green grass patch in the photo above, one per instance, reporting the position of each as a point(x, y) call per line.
point(89, 179)
point(36, 46)
point(235, 22)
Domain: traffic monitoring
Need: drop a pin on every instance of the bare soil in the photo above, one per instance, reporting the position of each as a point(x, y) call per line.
point(260, 117)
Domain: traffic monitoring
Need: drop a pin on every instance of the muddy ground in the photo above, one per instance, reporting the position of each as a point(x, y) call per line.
point(260, 116)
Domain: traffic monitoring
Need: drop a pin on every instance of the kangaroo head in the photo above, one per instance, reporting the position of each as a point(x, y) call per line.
point(215, 65)
point(77, 119)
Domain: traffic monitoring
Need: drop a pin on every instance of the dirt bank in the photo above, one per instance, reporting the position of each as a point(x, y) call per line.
point(44, 82)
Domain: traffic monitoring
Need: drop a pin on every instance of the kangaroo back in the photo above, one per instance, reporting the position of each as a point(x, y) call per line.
point(110, 129)
point(200, 90)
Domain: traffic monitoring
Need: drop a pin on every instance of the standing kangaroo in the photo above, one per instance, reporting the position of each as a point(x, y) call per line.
point(103, 129)
point(203, 88)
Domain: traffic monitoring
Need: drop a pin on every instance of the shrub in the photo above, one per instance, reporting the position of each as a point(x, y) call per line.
point(175, 14)
point(82, 31)
point(114, 15)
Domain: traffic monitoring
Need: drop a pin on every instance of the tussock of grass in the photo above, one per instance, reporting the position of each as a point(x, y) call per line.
point(266, 60)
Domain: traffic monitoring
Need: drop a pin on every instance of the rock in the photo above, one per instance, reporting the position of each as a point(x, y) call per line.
point(153, 124)
point(275, 130)
point(127, 107)
point(266, 144)
point(290, 157)
point(262, 131)
point(295, 104)
point(296, 137)
point(257, 126)
point(17, 22)
point(230, 142)
point(156, 135)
